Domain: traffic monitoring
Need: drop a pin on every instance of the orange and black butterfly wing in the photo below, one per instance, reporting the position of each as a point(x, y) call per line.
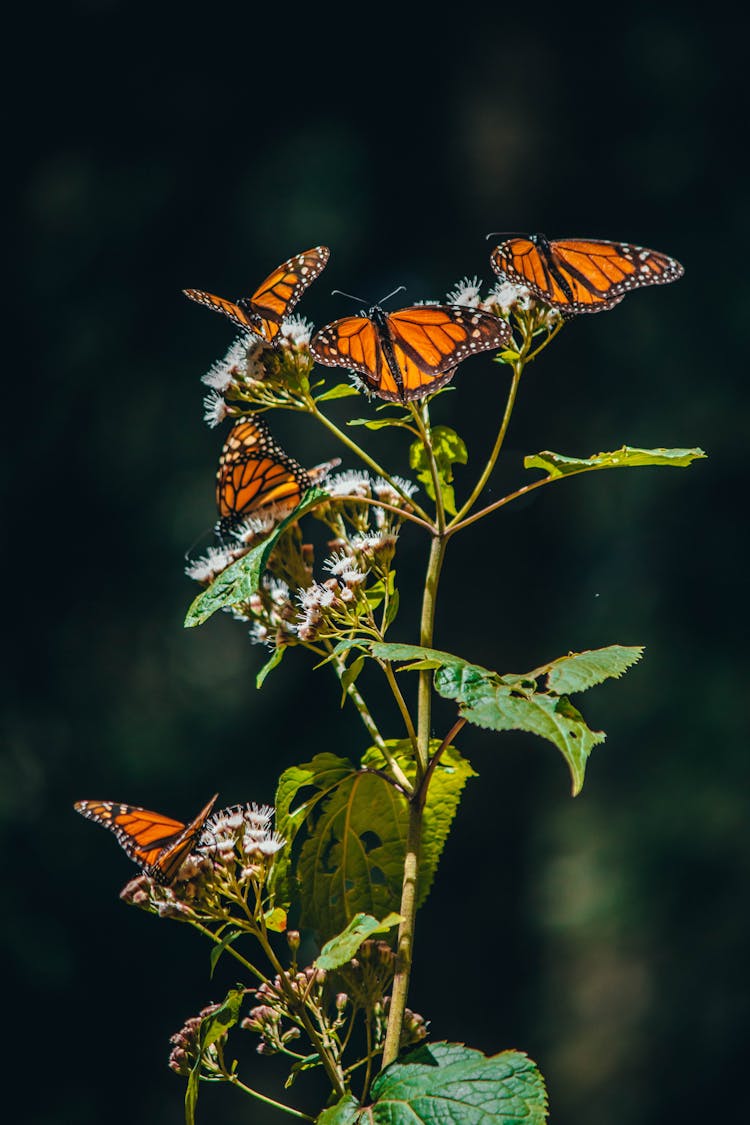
point(237, 312)
point(157, 843)
point(429, 341)
point(255, 474)
point(279, 293)
point(582, 275)
point(354, 342)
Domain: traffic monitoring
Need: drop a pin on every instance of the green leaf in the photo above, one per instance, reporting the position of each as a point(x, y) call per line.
point(212, 1028)
point(273, 662)
point(392, 610)
point(352, 860)
point(322, 775)
point(579, 671)
point(241, 580)
point(449, 1084)
point(309, 1062)
point(488, 702)
point(344, 1112)
point(379, 423)
point(513, 702)
point(217, 950)
point(342, 390)
point(559, 466)
point(275, 920)
point(349, 676)
point(343, 947)
point(448, 450)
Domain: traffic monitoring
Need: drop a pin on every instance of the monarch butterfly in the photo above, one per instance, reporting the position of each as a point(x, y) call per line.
point(156, 843)
point(406, 354)
point(263, 312)
point(255, 475)
point(579, 275)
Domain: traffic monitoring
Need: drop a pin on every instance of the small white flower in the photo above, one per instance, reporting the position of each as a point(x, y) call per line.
point(212, 563)
point(353, 482)
point(507, 296)
point(338, 562)
point(278, 590)
point(215, 410)
point(466, 293)
point(297, 330)
point(249, 530)
point(259, 634)
point(230, 368)
point(384, 490)
point(268, 846)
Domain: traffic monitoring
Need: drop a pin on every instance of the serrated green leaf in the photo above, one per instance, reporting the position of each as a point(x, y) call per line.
point(273, 662)
point(322, 775)
point(449, 1084)
point(628, 456)
point(579, 671)
point(341, 390)
point(352, 860)
point(344, 946)
point(241, 580)
point(344, 1112)
point(494, 705)
point(448, 450)
point(349, 676)
point(217, 950)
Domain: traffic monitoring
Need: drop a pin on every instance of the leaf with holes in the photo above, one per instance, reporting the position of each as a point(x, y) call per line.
point(449, 1084)
point(320, 776)
point(352, 860)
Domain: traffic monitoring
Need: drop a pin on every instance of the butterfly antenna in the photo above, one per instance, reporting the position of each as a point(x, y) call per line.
point(398, 289)
point(503, 234)
point(203, 535)
point(350, 296)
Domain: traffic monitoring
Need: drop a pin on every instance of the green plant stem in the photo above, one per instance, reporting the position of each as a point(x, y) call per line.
point(372, 464)
point(393, 684)
point(408, 908)
point(518, 367)
point(423, 424)
point(507, 499)
point(231, 950)
point(400, 512)
point(319, 1040)
point(228, 1077)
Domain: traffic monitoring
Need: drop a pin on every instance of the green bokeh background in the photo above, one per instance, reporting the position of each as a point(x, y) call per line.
point(171, 147)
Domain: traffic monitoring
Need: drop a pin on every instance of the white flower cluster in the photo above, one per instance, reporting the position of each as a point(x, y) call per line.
point(216, 559)
point(506, 297)
point(272, 613)
point(241, 833)
point(296, 330)
point(241, 365)
point(356, 482)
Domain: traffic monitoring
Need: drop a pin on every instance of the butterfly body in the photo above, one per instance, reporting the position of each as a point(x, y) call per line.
point(256, 476)
point(263, 312)
point(580, 275)
point(409, 353)
point(157, 843)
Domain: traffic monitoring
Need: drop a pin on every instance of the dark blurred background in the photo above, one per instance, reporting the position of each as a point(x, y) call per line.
point(161, 147)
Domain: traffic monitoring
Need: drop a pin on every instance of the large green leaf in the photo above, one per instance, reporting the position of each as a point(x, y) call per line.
point(559, 466)
point(343, 947)
point(242, 579)
point(449, 1084)
point(448, 450)
point(514, 702)
point(321, 775)
point(352, 860)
